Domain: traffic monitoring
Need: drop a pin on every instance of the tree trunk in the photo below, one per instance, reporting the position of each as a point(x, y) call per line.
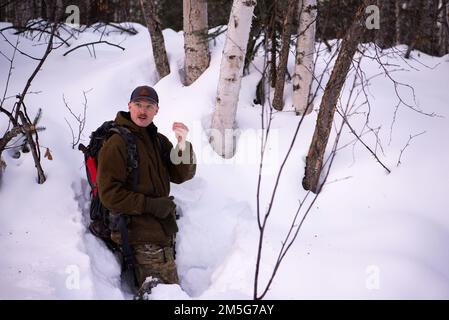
point(305, 48)
point(386, 35)
point(23, 13)
point(231, 69)
point(38, 6)
point(278, 99)
point(406, 20)
point(272, 35)
point(196, 46)
point(314, 160)
point(54, 10)
point(397, 12)
point(150, 10)
point(251, 49)
point(2, 168)
point(443, 32)
point(426, 38)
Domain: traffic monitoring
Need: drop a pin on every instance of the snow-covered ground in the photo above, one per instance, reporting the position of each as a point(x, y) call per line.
point(369, 235)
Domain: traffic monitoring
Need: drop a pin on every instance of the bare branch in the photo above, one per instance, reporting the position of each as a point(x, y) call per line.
point(20, 51)
point(361, 141)
point(93, 43)
point(408, 144)
point(81, 120)
point(10, 116)
point(36, 70)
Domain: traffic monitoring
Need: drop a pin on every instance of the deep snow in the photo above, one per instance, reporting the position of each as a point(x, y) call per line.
point(370, 235)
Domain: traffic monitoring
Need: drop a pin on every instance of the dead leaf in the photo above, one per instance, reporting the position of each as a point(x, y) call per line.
point(48, 154)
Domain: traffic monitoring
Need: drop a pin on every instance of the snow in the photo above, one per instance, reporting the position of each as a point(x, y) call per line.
point(369, 235)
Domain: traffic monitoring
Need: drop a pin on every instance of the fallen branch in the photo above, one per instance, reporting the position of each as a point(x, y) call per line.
point(40, 172)
point(130, 30)
point(93, 43)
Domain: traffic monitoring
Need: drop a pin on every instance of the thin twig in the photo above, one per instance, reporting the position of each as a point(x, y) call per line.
point(36, 70)
point(81, 120)
point(408, 144)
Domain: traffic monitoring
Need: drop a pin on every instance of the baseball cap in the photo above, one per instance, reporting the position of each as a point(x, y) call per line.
point(144, 93)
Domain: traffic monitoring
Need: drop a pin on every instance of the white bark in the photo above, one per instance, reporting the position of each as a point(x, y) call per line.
point(305, 49)
point(222, 136)
point(443, 34)
point(196, 47)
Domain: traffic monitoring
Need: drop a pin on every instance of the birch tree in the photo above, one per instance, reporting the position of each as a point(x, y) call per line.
point(196, 47)
point(314, 159)
point(231, 70)
point(443, 31)
point(151, 14)
point(305, 48)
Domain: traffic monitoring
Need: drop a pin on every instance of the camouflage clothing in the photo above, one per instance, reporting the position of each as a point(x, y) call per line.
point(156, 261)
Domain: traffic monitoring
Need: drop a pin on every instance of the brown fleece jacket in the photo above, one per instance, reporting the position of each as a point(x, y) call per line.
point(156, 171)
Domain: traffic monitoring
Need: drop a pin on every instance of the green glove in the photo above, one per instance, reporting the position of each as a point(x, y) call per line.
point(169, 225)
point(160, 207)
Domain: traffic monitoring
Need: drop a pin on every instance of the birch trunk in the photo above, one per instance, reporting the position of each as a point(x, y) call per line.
point(278, 99)
point(443, 32)
point(305, 48)
point(150, 10)
point(231, 69)
point(314, 160)
point(196, 46)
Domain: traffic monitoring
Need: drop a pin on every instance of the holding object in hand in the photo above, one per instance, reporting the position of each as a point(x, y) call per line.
point(181, 131)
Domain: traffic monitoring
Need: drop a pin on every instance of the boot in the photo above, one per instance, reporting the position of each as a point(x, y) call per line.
point(145, 289)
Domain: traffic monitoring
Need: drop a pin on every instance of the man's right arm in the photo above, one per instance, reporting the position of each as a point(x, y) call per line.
point(111, 179)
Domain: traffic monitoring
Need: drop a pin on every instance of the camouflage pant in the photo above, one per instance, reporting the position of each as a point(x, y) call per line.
point(152, 260)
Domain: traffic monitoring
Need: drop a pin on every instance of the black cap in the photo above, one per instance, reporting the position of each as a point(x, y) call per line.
point(144, 93)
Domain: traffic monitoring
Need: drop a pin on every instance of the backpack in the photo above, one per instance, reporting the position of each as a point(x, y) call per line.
point(102, 221)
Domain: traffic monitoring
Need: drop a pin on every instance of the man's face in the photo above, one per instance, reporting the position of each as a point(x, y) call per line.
point(142, 112)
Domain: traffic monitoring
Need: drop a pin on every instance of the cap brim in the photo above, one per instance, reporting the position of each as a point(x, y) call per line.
point(144, 98)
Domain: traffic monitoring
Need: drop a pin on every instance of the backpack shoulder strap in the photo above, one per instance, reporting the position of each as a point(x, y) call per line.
point(132, 164)
point(132, 159)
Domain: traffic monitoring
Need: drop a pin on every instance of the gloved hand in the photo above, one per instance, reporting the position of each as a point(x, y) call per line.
point(181, 131)
point(160, 207)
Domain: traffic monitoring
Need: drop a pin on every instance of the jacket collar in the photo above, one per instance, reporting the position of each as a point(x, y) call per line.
point(123, 119)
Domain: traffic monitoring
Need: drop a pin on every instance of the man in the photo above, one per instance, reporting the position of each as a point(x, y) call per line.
point(152, 224)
